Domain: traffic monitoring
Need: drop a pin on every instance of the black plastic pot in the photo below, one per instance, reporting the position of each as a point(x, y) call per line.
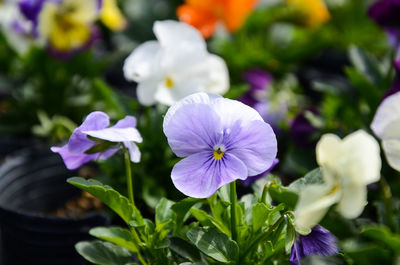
point(31, 186)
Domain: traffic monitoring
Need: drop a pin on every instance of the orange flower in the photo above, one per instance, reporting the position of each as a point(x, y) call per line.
point(204, 14)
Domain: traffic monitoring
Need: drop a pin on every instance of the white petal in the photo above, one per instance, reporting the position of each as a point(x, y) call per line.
point(328, 150)
point(202, 98)
point(314, 202)
point(117, 134)
point(181, 89)
point(171, 33)
point(231, 111)
point(388, 111)
point(361, 158)
point(134, 152)
point(218, 75)
point(392, 152)
point(144, 62)
point(146, 91)
point(352, 201)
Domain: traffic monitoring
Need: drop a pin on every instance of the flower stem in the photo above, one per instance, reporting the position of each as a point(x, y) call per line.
point(233, 198)
point(387, 199)
point(263, 236)
point(128, 175)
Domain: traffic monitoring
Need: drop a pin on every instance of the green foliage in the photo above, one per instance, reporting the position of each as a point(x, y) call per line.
point(103, 253)
point(215, 244)
point(110, 197)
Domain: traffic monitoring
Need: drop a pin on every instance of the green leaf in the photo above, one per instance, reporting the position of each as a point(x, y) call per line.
point(311, 178)
point(103, 253)
point(260, 215)
point(290, 234)
point(384, 235)
point(101, 147)
point(207, 220)
point(117, 235)
point(282, 194)
point(214, 244)
point(181, 210)
point(184, 249)
point(366, 65)
point(163, 212)
point(110, 197)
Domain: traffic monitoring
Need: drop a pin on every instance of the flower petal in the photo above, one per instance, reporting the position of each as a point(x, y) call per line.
point(218, 80)
point(387, 112)
point(314, 202)
point(127, 122)
point(73, 161)
point(200, 175)
point(170, 33)
point(134, 152)
point(117, 134)
point(352, 201)
point(231, 111)
point(146, 91)
point(202, 98)
point(143, 62)
point(392, 152)
point(192, 129)
point(79, 143)
point(254, 143)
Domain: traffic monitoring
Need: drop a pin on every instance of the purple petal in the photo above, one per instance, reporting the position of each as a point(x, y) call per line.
point(319, 242)
point(193, 128)
point(258, 80)
point(252, 179)
point(79, 143)
point(127, 122)
point(302, 131)
point(73, 161)
point(386, 13)
point(200, 175)
point(254, 143)
point(31, 9)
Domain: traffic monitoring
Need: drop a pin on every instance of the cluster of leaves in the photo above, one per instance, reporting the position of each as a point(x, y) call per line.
point(192, 231)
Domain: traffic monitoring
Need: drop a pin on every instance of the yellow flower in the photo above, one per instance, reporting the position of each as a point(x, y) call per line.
point(111, 16)
point(313, 12)
point(66, 26)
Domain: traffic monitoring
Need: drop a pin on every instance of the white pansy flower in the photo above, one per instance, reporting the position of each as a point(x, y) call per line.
point(175, 66)
point(15, 26)
point(348, 166)
point(386, 125)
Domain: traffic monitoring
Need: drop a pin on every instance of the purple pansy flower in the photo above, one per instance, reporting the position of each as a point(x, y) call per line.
point(386, 13)
point(319, 242)
point(257, 97)
point(95, 125)
point(302, 131)
point(220, 139)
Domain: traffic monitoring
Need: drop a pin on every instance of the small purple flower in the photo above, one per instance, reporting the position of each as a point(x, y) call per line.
point(319, 242)
point(95, 125)
point(220, 139)
point(386, 13)
point(259, 81)
point(257, 97)
point(302, 131)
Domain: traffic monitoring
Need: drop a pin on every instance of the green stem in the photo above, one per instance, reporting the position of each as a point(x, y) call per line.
point(128, 175)
point(262, 236)
point(387, 199)
point(233, 210)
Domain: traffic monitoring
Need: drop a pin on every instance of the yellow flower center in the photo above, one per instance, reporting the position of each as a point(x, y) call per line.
point(218, 154)
point(334, 190)
point(169, 83)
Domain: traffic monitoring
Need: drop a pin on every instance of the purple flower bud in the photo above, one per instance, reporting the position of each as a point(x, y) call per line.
point(319, 242)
